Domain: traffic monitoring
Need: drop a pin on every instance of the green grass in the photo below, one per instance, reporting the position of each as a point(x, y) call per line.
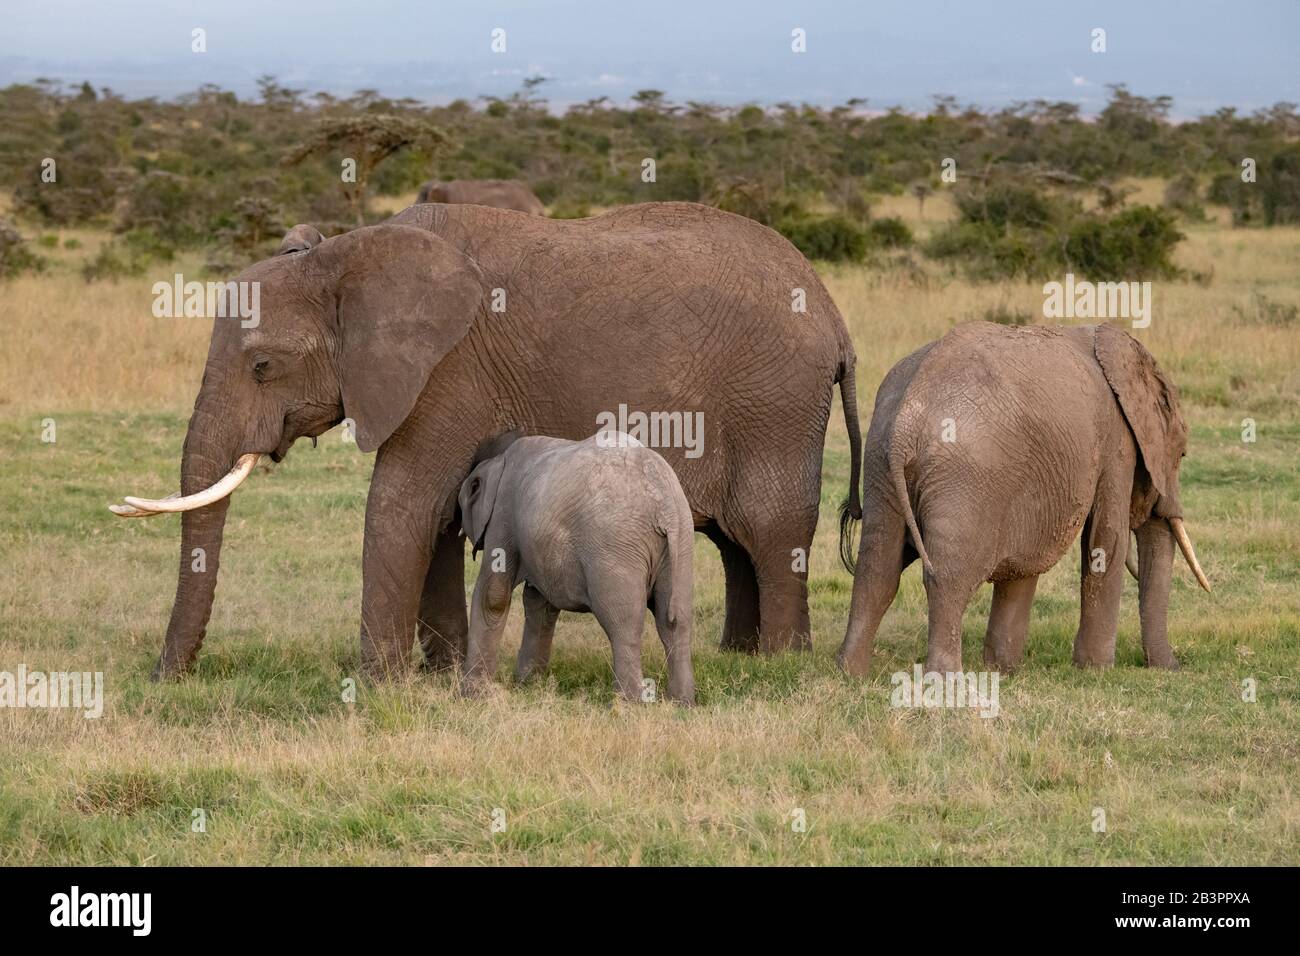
point(286, 772)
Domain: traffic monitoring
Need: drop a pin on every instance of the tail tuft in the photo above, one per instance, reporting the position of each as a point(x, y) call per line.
point(848, 535)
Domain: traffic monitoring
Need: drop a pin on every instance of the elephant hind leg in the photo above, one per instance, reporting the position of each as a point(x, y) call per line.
point(443, 625)
point(947, 597)
point(1103, 546)
point(882, 556)
point(741, 621)
point(623, 623)
point(676, 639)
point(1004, 642)
point(539, 634)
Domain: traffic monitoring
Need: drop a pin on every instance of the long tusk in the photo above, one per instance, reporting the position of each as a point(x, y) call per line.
point(126, 511)
point(1131, 563)
point(1185, 545)
point(232, 480)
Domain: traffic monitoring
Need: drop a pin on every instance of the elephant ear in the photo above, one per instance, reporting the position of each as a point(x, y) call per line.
point(404, 298)
point(299, 239)
point(1150, 404)
point(478, 499)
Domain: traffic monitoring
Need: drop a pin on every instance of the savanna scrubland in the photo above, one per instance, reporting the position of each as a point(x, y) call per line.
point(260, 738)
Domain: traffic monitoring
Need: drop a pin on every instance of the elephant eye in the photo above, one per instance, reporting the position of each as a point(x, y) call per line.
point(260, 368)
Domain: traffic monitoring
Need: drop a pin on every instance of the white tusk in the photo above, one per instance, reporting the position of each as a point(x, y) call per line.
point(126, 511)
point(232, 480)
point(1185, 545)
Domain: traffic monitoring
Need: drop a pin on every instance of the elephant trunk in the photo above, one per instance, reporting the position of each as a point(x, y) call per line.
point(210, 449)
point(1155, 540)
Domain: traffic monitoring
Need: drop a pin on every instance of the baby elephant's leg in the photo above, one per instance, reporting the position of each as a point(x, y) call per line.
point(487, 619)
point(623, 622)
point(539, 631)
point(676, 639)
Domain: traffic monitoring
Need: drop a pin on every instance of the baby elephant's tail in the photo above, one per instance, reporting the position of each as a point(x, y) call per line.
point(679, 565)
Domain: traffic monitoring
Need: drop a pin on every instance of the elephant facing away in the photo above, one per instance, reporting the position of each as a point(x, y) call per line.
point(497, 193)
point(988, 452)
point(600, 525)
point(449, 325)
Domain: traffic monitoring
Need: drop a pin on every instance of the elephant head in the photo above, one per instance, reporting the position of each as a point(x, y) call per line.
point(478, 499)
point(1149, 401)
point(348, 327)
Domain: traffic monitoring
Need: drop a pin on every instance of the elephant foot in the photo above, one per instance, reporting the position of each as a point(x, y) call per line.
point(167, 672)
point(1088, 662)
point(1001, 663)
point(1164, 662)
point(438, 665)
point(479, 689)
point(853, 665)
point(943, 664)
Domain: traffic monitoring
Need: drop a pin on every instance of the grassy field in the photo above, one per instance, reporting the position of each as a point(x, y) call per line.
point(286, 772)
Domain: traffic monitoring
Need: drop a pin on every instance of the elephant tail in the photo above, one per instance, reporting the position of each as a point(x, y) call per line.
point(896, 465)
point(679, 567)
point(851, 507)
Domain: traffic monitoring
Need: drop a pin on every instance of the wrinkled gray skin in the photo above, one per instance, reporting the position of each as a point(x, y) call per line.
point(1057, 430)
point(497, 193)
point(661, 306)
point(587, 526)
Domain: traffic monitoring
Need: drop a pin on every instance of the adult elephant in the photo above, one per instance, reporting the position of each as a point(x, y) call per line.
point(497, 193)
point(447, 326)
point(989, 452)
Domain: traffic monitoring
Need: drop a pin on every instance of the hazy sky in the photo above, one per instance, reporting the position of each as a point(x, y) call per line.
point(1204, 53)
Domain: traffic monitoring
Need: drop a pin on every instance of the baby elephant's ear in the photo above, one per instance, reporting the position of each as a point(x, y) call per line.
point(404, 298)
point(1150, 404)
point(299, 239)
point(478, 499)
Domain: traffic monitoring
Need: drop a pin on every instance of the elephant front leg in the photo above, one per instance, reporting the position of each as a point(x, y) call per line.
point(539, 633)
point(1004, 642)
point(489, 609)
point(443, 624)
point(395, 559)
point(1155, 566)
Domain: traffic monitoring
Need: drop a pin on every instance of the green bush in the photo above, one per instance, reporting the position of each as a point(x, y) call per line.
point(15, 257)
point(174, 208)
point(1182, 195)
point(1004, 204)
point(889, 233)
point(832, 238)
point(1280, 188)
point(1133, 244)
point(1010, 229)
point(115, 261)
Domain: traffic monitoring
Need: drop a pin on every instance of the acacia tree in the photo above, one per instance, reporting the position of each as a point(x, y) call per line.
point(367, 139)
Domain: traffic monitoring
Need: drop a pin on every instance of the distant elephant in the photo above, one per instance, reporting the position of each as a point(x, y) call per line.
point(600, 525)
point(988, 451)
point(497, 193)
point(449, 325)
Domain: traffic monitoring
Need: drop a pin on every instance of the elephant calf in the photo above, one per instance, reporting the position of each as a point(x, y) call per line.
point(600, 525)
point(989, 451)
